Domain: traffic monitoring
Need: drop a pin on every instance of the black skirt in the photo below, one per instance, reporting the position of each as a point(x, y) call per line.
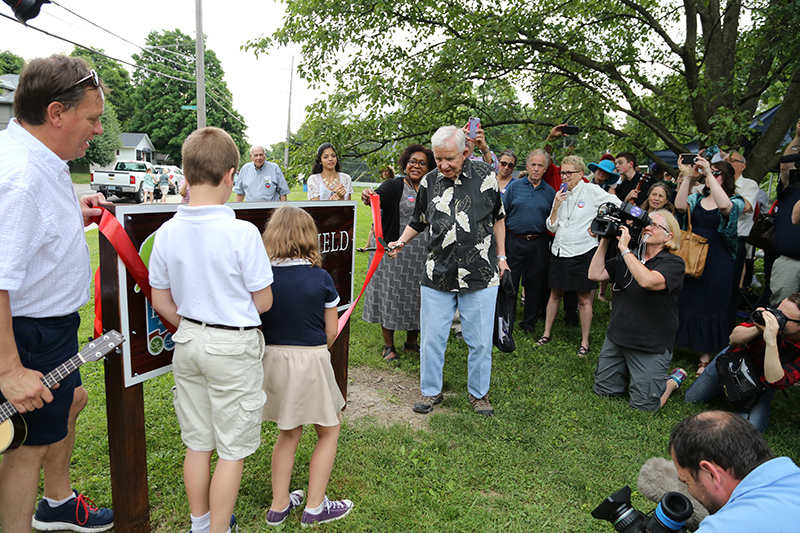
point(571, 273)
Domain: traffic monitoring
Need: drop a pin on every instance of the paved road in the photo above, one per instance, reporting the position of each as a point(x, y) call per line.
point(81, 189)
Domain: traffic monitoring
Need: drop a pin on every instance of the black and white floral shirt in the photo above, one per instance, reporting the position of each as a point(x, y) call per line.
point(459, 216)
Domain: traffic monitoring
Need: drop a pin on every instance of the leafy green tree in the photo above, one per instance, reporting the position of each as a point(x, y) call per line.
point(116, 78)
point(169, 83)
point(407, 64)
point(103, 148)
point(10, 63)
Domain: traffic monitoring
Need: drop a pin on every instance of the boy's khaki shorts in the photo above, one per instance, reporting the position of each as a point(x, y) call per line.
point(218, 392)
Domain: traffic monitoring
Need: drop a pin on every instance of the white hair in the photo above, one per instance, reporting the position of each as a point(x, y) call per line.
point(257, 146)
point(538, 151)
point(447, 135)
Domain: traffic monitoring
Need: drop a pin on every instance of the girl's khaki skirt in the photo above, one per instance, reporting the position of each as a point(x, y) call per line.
point(301, 388)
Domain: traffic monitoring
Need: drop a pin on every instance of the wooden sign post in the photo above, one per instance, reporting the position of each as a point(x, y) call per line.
point(148, 350)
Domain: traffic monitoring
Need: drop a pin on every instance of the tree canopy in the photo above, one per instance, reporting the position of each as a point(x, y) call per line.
point(673, 70)
point(169, 83)
point(10, 63)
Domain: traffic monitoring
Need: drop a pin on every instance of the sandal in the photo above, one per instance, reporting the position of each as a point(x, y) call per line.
point(701, 367)
point(544, 339)
point(583, 351)
point(388, 350)
point(411, 348)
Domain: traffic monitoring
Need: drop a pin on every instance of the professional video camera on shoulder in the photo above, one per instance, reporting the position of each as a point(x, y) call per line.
point(669, 517)
point(610, 218)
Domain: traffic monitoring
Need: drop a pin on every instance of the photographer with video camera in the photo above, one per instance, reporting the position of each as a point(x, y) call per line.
point(771, 341)
point(644, 317)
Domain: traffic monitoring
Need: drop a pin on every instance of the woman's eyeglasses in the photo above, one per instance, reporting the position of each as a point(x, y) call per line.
point(91, 76)
point(568, 173)
point(421, 163)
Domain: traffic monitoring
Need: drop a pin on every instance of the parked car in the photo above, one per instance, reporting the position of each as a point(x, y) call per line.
point(125, 180)
point(175, 177)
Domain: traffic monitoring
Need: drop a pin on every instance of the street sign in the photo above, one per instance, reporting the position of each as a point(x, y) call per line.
point(188, 107)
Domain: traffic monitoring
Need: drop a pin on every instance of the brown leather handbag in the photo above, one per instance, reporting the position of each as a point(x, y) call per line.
point(693, 249)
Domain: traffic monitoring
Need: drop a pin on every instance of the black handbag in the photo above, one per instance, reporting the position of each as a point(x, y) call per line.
point(504, 314)
point(739, 378)
point(763, 233)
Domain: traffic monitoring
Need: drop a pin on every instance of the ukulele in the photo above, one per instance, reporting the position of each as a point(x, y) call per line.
point(12, 426)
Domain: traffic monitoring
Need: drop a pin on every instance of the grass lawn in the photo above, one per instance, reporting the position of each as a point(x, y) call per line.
point(553, 451)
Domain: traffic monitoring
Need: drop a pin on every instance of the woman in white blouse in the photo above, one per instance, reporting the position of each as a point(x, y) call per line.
point(325, 181)
point(574, 208)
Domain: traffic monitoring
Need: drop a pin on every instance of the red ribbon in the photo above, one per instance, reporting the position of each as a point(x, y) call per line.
point(110, 227)
point(375, 205)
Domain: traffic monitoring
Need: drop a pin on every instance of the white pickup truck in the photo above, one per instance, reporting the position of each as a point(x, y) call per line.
point(125, 180)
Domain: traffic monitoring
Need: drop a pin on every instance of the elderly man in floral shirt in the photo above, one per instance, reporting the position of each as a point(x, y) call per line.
point(459, 204)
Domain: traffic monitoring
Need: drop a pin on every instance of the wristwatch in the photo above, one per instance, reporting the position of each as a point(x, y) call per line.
point(502, 258)
point(625, 252)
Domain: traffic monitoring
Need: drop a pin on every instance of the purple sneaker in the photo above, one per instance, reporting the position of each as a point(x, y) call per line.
point(276, 518)
point(678, 375)
point(331, 510)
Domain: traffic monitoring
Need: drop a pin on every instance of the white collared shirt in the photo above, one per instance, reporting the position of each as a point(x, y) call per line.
point(44, 258)
point(575, 217)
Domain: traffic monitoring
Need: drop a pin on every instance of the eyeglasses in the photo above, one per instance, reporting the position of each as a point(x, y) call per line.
point(91, 76)
point(568, 173)
point(666, 230)
point(417, 163)
point(716, 173)
point(506, 164)
point(732, 160)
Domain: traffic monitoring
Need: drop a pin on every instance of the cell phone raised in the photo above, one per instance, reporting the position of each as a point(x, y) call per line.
point(472, 127)
point(688, 159)
point(563, 188)
point(570, 130)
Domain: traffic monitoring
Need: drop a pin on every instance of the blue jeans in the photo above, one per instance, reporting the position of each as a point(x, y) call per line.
point(477, 319)
point(707, 387)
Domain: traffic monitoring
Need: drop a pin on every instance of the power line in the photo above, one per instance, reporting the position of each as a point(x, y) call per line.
point(133, 65)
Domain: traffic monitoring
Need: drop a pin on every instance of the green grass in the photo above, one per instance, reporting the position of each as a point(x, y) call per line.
point(553, 451)
point(81, 178)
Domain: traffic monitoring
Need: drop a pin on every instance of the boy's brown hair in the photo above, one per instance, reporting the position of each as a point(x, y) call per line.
point(292, 234)
point(208, 154)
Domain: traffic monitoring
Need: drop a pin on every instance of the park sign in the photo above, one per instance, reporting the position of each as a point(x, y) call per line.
point(148, 352)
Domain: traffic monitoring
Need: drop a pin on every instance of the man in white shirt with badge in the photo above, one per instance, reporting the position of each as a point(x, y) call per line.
point(260, 180)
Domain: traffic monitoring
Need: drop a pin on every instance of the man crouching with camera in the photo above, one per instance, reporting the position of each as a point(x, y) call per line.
point(771, 342)
point(644, 316)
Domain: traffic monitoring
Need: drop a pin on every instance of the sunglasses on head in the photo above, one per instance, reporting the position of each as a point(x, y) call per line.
point(91, 76)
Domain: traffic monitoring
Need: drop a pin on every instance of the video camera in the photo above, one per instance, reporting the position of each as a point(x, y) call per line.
point(610, 217)
point(669, 517)
point(794, 174)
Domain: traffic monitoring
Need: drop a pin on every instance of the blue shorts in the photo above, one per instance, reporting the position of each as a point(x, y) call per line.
point(43, 344)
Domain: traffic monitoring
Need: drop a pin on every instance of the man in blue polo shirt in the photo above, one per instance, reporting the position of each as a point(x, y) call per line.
point(260, 180)
point(527, 203)
point(728, 467)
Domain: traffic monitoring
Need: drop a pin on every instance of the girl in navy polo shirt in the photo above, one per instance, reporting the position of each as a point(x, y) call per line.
point(298, 376)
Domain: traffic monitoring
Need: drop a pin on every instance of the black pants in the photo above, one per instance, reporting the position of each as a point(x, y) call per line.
point(529, 260)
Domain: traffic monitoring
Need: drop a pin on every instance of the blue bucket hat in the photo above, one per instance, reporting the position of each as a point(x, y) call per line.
point(606, 166)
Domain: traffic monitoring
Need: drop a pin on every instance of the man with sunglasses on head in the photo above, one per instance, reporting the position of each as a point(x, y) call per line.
point(44, 280)
point(773, 343)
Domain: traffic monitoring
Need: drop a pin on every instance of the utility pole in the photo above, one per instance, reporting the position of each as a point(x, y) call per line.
point(200, 67)
point(288, 119)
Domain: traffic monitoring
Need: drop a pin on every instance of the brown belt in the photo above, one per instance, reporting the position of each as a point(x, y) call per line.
point(530, 237)
point(217, 326)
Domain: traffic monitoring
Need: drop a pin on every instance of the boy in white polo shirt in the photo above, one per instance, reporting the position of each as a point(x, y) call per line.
point(210, 275)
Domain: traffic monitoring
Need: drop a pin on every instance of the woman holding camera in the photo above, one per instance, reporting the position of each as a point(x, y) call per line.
point(644, 317)
point(703, 303)
point(574, 208)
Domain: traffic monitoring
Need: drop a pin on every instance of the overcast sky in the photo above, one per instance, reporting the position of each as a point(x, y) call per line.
point(260, 86)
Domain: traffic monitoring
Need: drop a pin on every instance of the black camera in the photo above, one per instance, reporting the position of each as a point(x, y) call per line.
point(670, 516)
point(794, 174)
point(757, 317)
point(610, 217)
